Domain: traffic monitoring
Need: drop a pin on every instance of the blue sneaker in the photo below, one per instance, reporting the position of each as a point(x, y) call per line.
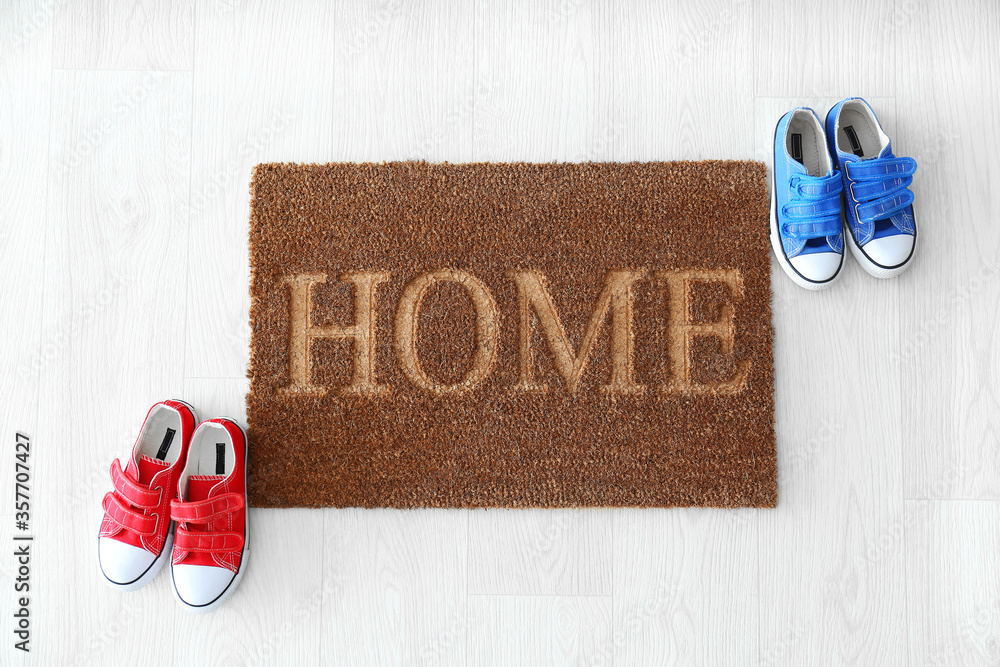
point(807, 231)
point(877, 196)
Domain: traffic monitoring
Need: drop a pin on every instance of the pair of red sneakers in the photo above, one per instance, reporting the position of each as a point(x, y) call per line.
point(194, 478)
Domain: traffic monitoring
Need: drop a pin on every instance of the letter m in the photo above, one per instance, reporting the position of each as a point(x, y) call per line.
point(535, 303)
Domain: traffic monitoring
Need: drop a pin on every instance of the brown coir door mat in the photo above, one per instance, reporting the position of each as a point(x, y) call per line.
point(510, 335)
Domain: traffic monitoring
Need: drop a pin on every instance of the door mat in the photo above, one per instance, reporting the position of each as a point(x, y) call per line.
point(510, 335)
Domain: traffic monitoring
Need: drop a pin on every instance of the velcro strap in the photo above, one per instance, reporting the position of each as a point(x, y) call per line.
point(130, 489)
point(867, 170)
point(883, 208)
point(186, 540)
point(807, 211)
point(128, 518)
point(816, 228)
point(204, 511)
point(868, 190)
point(813, 187)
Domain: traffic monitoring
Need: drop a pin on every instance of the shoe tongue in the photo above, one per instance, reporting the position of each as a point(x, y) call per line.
point(148, 468)
point(796, 167)
point(887, 151)
point(200, 486)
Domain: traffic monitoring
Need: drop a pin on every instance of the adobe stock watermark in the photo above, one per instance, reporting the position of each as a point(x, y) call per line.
point(894, 534)
point(30, 28)
point(825, 434)
point(903, 12)
point(933, 148)
point(114, 629)
point(85, 490)
point(267, 650)
point(777, 652)
point(634, 621)
point(228, 6)
point(56, 343)
point(361, 37)
point(235, 170)
point(597, 149)
point(974, 629)
point(957, 300)
point(543, 542)
point(242, 333)
point(23, 541)
point(91, 139)
point(464, 109)
point(447, 641)
point(692, 46)
point(562, 11)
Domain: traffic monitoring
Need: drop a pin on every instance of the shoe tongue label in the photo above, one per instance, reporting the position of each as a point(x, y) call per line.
point(797, 147)
point(220, 458)
point(852, 136)
point(168, 438)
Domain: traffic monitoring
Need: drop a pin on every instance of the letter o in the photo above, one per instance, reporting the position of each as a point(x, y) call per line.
point(486, 330)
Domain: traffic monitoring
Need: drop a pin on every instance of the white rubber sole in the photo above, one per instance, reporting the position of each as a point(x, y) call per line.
point(148, 575)
point(874, 269)
point(779, 253)
point(221, 600)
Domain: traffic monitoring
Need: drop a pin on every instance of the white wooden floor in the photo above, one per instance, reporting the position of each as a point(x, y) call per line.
point(127, 135)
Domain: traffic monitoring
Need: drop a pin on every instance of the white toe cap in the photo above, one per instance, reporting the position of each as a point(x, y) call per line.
point(890, 251)
point(817, 266)
point(199, 585)
point(122, 563)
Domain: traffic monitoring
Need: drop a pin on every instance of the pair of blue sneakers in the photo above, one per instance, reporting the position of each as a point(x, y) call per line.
point(824, 176)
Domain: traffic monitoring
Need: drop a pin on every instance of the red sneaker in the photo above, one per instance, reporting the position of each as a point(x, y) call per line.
point(135, 533)
point(210, 546)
